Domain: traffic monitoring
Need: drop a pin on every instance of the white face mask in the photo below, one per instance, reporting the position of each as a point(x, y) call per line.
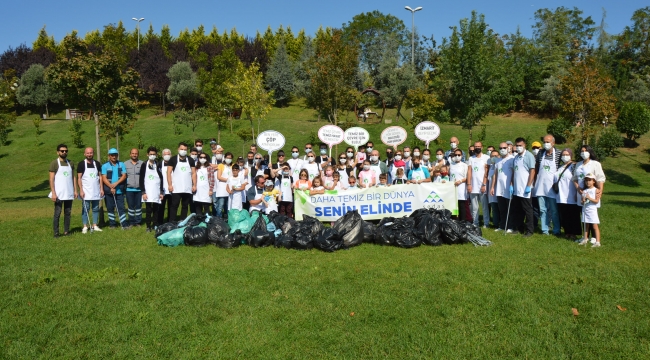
point(416, 153)
point(398, 157)
point(366, 167)
point(584, 155)
point(350, 154)
point(457, 158)
point(535, 151)
point(194, 157)
point(167, 157)
point(439, 157)
point(547, 146)
point(152, 157)
point(374, 158)
point(453, 145)
point(228, 161)
point(369, 149)
point(425, 157)
point(566, 158)
point(218, 156)
point(407, 153)
point(520, 149)
point(503, 152)
point(182, 152)
point(310, 159)
point(294, 155)
point(202, 160)
point(199, 148)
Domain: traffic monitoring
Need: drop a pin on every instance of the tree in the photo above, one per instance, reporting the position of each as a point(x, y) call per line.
point(96, 81)
point(34, 90)
point(152, 65)
point(426, 106)
point(586, 96)
point(183, 87)
point(633, 120)
point(8, 85)
point(44, 41)
point(333, 73)
point(302, 82)
point(191, 118)
point(280, 76)
point(247, 89)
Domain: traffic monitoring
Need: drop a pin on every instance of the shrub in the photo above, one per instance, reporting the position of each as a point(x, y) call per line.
point(560, 129)
point(610, 140)
point(633, 120)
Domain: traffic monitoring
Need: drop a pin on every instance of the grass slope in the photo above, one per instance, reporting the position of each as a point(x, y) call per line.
point(119, 295)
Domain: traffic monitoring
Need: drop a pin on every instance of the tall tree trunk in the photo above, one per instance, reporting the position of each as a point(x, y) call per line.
point(98, 151)
point(117, 141)
point(399, 111)
point(470, 138)
point(47, 111)
point(163, 103)
point(252, 129)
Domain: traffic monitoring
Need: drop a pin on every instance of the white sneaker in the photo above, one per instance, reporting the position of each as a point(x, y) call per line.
point(593, 241)
point(96, 228)
point(84, 230)
point(583, 242)
point(597, 244)
point(497, 230)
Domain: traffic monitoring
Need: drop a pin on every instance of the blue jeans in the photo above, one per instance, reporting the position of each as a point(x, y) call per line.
point(90, 205)
point(475, 200)
point(134, 200)
point(496, 219)
point(220, 205)
point(113, 202)
point(548, 213)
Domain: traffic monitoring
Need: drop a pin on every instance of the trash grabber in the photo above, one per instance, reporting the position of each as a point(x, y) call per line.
point(505, 231)
point(88, 216)
point(119, 217)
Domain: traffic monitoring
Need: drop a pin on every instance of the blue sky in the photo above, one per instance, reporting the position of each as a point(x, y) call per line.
point(22, 20)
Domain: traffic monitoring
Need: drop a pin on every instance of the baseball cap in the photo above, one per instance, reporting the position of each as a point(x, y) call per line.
point(213, 141)
point(268, 183)
point(112, 151)
point(591, 176)
point(508, 142)
point(536, 144)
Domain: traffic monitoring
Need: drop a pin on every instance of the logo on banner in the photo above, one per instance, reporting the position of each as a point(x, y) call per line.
point(433, 198)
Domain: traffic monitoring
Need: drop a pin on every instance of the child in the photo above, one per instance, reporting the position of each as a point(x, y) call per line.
point(328, 179)
point(303, 182)
point(383, 180)
point(590, 205)
point(235, 187)
point(317, 187)
point(367, 176)
point(338, 184)
point(361, 154)
point(284, 182)
point(436, 175)
point(444, 174)
point(352, 182)
point(270, 197)
point(400, 178)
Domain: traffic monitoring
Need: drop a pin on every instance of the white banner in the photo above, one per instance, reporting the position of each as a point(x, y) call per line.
point(377, 202)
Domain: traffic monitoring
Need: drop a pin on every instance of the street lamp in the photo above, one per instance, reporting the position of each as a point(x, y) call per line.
point(138, 26)
point(413, 31)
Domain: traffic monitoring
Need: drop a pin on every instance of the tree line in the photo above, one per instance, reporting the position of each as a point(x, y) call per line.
point(571, 70)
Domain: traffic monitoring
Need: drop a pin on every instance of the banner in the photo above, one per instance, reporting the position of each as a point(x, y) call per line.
point(376, 202)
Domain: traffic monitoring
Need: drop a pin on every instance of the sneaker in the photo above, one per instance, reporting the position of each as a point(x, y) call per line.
point(56, 236)
point(84, 230)
point(596, 244)
point(593, 241)
point(498, 230)
point(583, 242)
point(96, 228)
point(528, 234)
point(510, 231)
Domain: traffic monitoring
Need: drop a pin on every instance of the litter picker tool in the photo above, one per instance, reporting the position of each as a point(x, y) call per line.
point(119, 216)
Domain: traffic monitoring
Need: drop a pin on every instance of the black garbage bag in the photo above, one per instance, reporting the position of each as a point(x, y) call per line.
point(350, 229)
point(283, 241)
point(369, 230)
point(259, 224)
point(166, 227)
point(194, 221)
point(452, 232)
point(272, 215)
point(428, 230)
point(328, 240)
point(407, 240)
point(383, 234)
point(288, 225)
point(233, 240)
point(217, 229)
point(260, 238)
point(419, 213)
point(311, 223)
point(195, 236)
point(302, 242)
point(442, 214)
point(390, 229)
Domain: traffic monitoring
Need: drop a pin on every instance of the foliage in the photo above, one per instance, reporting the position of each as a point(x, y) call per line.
point(609, 140)
point(247, 89)
point(35, 90)
point(280, 76)
point(152, 64)
point(191, 118)
point(8, 86)
point(302, 81)
point(21, 58)
point(483, 134)
point(183, 85)
point(633, 120)
point(76, 132)
point(560, 128)
point(37, 121)
point(425, 105)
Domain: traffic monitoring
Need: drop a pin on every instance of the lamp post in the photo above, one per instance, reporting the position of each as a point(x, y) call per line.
point(138, 26)
point(413, 31)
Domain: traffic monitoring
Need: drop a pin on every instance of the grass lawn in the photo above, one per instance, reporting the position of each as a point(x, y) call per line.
point(116, 294)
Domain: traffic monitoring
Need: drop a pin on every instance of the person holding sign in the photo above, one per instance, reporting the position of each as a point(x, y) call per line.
point(367, 176)
point(418, 174)
point(460, 174)
point(311, 166)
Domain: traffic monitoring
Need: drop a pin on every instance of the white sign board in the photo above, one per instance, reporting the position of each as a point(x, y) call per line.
point(427, 131)
point(270, 140)
point(393, 136)
point(356, 136)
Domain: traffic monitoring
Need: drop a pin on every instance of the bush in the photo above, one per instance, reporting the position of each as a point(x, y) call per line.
point(76, 132)
point(633, 120)
point(560, 129)
point(610, 140)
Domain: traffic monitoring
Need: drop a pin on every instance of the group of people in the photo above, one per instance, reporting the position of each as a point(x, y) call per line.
point(513, 187)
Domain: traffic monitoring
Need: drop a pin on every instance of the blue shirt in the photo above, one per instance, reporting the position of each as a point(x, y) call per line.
point(424, 169)
point(114, 173)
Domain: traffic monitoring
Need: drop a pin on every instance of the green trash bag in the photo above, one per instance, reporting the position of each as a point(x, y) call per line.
point(238, 220)
point(172, 238)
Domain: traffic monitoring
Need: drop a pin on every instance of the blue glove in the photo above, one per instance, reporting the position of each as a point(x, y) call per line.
point(526, 190)
point(512, 190)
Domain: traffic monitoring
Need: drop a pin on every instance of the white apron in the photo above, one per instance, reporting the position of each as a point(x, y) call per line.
point(63, 184)
point(545, 178)
point(237, 197)
point(458, 171)
point(377, 169)
point(259, 207)
point(221, 185)
point(504, 177)
point(182, 177)
point(418, 174)
point(90, 182)
point(478, 172)
point(151, 185)
point(202, 194)
point(164, 174)
point(566, 190)
point(343, 175)
point(312, 170)
point(520, 179)
point(284, 184)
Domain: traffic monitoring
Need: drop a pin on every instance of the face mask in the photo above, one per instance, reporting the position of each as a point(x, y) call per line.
point(369, 149)
point(328, 173)
point(425, 157)
point(520, 149)
point(310, 159)
point(343, 160)
point(535, 151)
point(584, 155)
point(416, 153)
point(167, 157)
point(202, 160)
point(566, 158)
point(494, 159)
point(389, 155)
point(228, 161)
point(439, 157)
point(457, 158)
point(547, 146)
point(182, 152)
point(199, 148)
point(366, 167)
point(307, 151)
point(194, 157)
point(407, 153)
point(443, 173)
point(257, 161)
point(350, 154)
point(294, 155)
point(453, 145)
point(503, 152)
point(218, 156)
point(285, 173)
point(374, 158)
point(323, 151)
point(152, 157)
point(398, 157)
point(415, 166)
point(250, 161)
point(477, 150)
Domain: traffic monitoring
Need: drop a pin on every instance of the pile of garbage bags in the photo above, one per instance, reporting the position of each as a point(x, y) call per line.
point(424, 226)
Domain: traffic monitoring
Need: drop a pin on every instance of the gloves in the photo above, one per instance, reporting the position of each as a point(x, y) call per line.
point(512, 190)
point(527, 190)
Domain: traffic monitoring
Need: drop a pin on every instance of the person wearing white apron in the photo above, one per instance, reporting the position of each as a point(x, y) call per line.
point(151, 186)
point(167, 196)
point(295, 163)
point(478, 193)
point(236, 188)
point(181, 180)
point(500, 187)
point(377, 166)
point(342, 168)
point(493, 201)
point(284, 182)
point(90, 189)
point(312, 168)
point(63, 185)
point(458, 174)
point(567, 207)
point(419, 174)
point(544, 187)
point(522, 181)
point(254, 195)
point(223, 173)
point(204, 185)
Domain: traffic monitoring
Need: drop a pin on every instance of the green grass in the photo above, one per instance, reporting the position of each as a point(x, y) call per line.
point(117, 294)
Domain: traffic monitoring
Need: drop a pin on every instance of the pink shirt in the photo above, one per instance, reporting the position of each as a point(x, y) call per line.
point(367, 177)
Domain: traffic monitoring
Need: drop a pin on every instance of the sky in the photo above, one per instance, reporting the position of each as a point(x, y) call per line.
point(248, 17)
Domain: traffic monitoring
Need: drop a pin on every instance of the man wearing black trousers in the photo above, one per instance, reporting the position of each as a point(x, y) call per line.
point(522, 182)
point(181, 181)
